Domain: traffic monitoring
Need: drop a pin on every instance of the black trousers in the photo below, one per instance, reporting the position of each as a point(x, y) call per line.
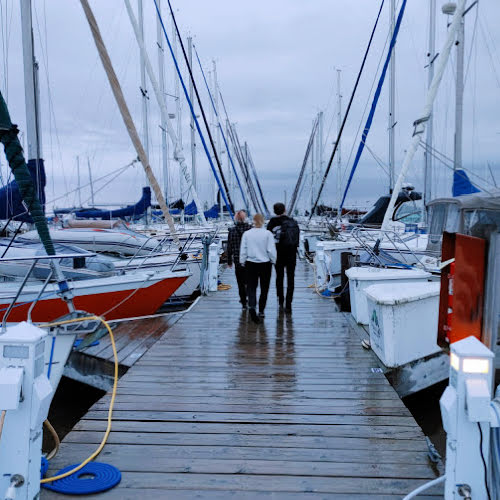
point(258, 272)
point(241, 278)
point(286, 260)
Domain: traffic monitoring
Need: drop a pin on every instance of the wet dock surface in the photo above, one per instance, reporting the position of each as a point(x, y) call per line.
point(222, 408)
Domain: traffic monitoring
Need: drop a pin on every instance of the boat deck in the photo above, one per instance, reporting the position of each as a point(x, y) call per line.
point(220, 408)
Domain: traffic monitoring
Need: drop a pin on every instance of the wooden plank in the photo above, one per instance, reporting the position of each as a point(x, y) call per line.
point(412, 432)
point(244, 440)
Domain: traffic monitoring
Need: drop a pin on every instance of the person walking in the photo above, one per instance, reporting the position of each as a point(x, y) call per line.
point(286, 235)
point(233, 253)
point(258, 254)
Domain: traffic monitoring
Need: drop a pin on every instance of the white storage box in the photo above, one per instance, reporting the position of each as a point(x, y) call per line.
point(328, 262)
point(403, 321)
point(361, 278)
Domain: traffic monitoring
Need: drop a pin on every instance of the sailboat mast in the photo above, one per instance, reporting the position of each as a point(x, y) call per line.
point(31, 89)
point(319, 155)
point(430, 76)
point(144, 91)
point(392, 100)
point(161, 71)
point(218, 143)
point(91, 183)
point(178, 108)
point(339, 149)
point(459, 96)
point(193, 131)
point(78, 181)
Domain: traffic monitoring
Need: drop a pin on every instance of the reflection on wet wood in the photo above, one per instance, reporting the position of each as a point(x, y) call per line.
point(222, 408)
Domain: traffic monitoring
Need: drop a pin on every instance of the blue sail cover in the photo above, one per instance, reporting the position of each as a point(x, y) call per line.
point(212, 213)
point(462, 184)
point(11, 203)
point(131, 211)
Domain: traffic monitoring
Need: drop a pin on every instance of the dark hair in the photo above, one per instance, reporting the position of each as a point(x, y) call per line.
point(279, 208)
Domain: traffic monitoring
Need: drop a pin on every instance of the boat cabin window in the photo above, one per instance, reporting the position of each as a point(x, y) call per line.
point(481, 223)
point(442, 217)
point(409, 212)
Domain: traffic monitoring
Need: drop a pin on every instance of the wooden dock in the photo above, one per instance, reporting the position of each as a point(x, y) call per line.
point(220, 408)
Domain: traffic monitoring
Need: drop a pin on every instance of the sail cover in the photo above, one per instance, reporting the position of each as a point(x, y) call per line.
point(132, 211)
point(462, 184)
point(11, 202)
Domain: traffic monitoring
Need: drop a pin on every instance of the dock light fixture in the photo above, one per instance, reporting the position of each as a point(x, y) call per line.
point(467, 417)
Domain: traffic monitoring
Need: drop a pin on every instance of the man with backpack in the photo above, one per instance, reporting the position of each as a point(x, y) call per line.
point(286, 235)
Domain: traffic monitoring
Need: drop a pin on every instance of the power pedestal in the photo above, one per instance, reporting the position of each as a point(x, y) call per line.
point(25, 396)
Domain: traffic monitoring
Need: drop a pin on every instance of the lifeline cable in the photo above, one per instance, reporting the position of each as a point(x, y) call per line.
point(337, 142)
point(369, 120)
point(222, 131)
point(200, 104)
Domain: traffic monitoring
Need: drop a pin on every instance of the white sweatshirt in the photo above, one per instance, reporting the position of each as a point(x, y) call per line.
point(257, 245)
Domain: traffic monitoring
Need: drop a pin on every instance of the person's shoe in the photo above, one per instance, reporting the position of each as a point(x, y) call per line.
point(244, 307)
point(253, 316)
point(261, 314)
point(288, 309)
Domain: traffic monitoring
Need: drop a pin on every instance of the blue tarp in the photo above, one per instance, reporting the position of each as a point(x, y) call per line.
point(462, 184)
point(131, 211)
point(11, 203)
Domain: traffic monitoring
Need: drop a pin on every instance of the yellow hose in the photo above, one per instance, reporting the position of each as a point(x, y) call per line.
point(55, 437)
point(113, 396)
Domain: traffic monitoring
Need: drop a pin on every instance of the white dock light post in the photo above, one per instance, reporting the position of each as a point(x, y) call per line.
point(25, 397)
point(466, 412)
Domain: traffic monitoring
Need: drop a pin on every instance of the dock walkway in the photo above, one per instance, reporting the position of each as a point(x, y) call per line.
point(221, 408)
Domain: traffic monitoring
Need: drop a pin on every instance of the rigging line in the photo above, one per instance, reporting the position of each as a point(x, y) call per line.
point(472, 44)
point(377, 159)
point(220, 128)
point(239, 154)
point(451, 167)
point(227, 199)
point(451, 162)
point(251, 186)
point(295, 194)
point(254, 170)
point(382, 52)
point(200, 104)
point(119, 170)
point(497, 77)
point(375, 102)
point(346, 113)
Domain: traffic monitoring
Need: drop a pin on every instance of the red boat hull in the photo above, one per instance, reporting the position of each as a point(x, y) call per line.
point(110, 305)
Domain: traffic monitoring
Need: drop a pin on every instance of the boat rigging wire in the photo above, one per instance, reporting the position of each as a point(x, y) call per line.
point(225, 195)
point(221, 130)
point(127, 118)
point(327, 171)
point(233, 136)
point(374, 102)
point(295, 195)
point(449, 163)
point(254, 170)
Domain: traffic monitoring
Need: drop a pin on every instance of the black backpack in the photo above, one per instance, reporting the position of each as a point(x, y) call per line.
point(288, 234)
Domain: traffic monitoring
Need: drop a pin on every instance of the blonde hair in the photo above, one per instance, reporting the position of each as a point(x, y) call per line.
point(258, 220)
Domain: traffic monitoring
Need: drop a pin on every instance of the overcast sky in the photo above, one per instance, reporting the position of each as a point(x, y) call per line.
point(276, 63)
